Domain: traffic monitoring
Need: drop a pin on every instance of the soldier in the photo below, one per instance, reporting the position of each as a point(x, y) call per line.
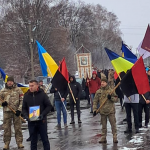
point(12, 96)
point(111, 78)
point(107, 110)
point(41, 85)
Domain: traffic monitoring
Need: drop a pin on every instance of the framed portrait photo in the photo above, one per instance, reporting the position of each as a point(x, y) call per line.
point(34, 113)
point(83, 61)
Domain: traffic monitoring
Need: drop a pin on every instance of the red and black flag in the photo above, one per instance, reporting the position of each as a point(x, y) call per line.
point(63, 69)
point(61, 77)
point(136, 80)
point(146, 40)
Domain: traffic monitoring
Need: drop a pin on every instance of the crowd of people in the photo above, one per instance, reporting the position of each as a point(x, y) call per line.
point(100, 94)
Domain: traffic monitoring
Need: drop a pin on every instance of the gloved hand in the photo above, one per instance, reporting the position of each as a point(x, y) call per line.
point(4, 104)
point(52, 109)
point(109, 96)
point(18, 112)
point(40, 117)
point(94, 114)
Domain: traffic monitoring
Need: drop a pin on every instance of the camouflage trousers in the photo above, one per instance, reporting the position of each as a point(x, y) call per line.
point(112, 121)
point(8, 116)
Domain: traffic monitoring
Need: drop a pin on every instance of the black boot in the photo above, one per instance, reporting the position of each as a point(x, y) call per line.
point(137, 131)
point(140, 125)
point(128, 131)
point(29, 139)
point(72, 122)
point(146, 125)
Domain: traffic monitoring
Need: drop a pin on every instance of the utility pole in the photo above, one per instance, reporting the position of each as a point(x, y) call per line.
point(31, 49)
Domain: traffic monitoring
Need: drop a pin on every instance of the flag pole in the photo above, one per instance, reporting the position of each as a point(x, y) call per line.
point(13, 111)
point(106, 98)
point(71, 93)
point(64, 104)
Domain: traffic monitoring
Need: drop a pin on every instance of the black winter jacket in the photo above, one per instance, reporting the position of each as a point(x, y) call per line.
point(76, 89)
point(38, 98)
point(56, 94)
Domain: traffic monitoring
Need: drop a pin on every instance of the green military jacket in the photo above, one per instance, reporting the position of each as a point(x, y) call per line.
point(13, 96)
point(101, 96)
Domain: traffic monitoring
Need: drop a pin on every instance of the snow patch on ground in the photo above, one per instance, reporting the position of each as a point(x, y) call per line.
point(126, 148)
point(1, 115)
point(144, 129)
point(136, 140)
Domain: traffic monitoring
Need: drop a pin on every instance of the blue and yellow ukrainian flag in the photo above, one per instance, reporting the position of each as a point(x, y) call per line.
point(48, 65)
point(22, 87)
point(119, 63)
point(4, 76)
point(127, 54)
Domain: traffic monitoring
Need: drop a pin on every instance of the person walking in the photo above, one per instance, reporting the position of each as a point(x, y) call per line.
point(111, 78)
point(36, 97)
point(60, 106)
point(107, 111)
point(41, 85)
point(132, 104)
point(94, 84)
point(12, 96)
point(146, 106)
point(76, 91)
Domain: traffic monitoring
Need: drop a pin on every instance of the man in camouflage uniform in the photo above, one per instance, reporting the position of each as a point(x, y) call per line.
point(12, 96)
point(41, 85)
point(107, 110)
point(111, 78)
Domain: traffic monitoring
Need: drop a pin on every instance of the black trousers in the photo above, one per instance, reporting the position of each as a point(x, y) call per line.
point(146, 110)
point(77, 108)
point(134, 107)
point(87, 94)
point(35, 128)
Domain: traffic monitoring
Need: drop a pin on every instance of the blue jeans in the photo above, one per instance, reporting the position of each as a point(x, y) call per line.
point(92, 98)
point(60, 107)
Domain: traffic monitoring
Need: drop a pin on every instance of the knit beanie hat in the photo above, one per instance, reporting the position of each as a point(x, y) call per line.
point(104, 79)
point(10, 79)
point(94, 72)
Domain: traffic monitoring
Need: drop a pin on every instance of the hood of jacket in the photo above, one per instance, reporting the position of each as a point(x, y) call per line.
point(74, 79)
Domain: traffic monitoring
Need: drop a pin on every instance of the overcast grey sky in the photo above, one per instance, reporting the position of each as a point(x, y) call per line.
point(134, 16)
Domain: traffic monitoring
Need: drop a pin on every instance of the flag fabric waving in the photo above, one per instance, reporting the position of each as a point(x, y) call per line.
point(119, 63)
point(143, 52)
point(128, 85)
point(22, 87)
point(127, 54)
point(61, 77)
point(136, 80)
point(63, 69)
point(146, 40)
point(4, 76)
point(140, 76)
point(48, 65)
